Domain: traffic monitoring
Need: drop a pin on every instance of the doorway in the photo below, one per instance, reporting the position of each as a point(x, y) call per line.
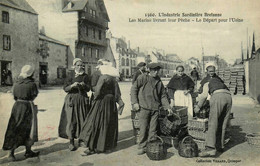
point(6, 73)
point(43, 73)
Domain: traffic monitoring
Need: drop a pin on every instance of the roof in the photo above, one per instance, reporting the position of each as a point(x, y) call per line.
point(208, 58)
point(77, 5)
point(22, 5)
point(44, 37)
point(173, 57)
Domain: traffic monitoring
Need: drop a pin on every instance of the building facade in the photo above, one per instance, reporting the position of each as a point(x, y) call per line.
point(54, 57)
point(19, 38)
point(125, 57)
point(88, 22)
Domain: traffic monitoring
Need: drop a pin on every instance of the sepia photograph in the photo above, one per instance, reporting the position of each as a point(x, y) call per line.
point(129, 82)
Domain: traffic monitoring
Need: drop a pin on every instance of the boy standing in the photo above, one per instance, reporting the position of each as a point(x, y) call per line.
point(147, 95)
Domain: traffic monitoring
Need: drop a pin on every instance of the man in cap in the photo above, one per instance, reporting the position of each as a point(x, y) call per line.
point(147, 95)
point(220, 108)
point(141, 69)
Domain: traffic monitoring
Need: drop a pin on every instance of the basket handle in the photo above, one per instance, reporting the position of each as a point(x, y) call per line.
point(184, 139)
point(159, 138)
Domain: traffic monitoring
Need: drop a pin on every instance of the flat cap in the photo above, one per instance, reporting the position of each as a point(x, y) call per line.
point(141, 64)
point(154, 65)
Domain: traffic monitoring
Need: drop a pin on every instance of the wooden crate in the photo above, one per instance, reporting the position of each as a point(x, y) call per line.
point(180, 110)
point(198, 134)
point(199, 124)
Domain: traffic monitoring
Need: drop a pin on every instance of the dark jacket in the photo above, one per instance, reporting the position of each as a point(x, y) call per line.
point(149, 93)
point(136, 75)
point(179, 83)
point(206, 79)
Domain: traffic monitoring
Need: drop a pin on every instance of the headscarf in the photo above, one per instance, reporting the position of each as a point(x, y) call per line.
point(74, 63)
point(108, 69)
point(26, 71)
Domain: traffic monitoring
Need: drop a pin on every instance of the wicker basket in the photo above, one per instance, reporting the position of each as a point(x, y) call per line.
point(180, 110)
point(201, 144)
point(199, 124)
point(169, 124)
point(198, 134)
point(253, 139)
point(168, 140)
point(156, 149)
point(188, 147)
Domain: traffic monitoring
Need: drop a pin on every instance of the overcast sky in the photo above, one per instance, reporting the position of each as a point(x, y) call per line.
point(184, 39)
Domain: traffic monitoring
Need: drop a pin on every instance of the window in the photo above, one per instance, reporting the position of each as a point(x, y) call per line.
point(91, 52)
point(83, 51)
point(99, 34)
point(97, 53)
point(86, 30)
point(5, 17)
point(127, 72)
point(86, 9)
point(6, 42)
point(94, 36)
point(127, 62)
point(93, 13)
point(123, 62)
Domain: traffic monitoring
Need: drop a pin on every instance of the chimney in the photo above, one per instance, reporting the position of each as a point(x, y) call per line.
point(42, 31)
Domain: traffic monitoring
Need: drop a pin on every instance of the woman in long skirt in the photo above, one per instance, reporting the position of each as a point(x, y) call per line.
point(179, 89)
point(76, 105)
point(22, 126)
point(100, 130)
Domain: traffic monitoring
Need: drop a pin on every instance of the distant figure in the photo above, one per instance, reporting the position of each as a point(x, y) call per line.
point(9, 80)
point(22, 127)
point(141, 69)
point(194, 76)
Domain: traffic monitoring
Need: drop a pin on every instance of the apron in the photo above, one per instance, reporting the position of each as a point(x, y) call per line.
point(184, 100)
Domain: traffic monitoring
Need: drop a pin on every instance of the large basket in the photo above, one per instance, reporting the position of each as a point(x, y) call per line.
point(201, 144)
point(156, 149)
point(253, 139)
point(169, 124)
point(188, 147)
point(180, 110)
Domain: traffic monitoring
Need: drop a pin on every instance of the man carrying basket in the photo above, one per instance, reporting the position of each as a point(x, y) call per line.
point(147, 96)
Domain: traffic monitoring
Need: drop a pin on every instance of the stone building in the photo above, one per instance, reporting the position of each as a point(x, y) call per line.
point(19, 38)
point(87, 24)
point(125, 57)
point(54, 57)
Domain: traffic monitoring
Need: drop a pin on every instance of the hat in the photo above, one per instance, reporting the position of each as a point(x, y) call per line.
point(26, 71)
point(76, 60)
point(141, 64)
point(154, 65)
point(103, 62)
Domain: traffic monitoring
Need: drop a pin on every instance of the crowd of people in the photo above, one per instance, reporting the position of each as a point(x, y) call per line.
point(93, 120)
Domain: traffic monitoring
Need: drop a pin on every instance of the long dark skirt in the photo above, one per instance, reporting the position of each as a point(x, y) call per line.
point(19, 127)
point(73, 115)
point(100, 130)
